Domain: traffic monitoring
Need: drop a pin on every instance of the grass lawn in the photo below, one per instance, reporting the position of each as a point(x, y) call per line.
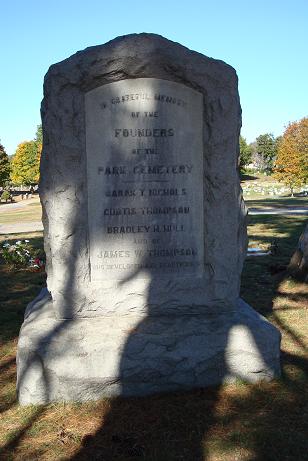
point(261, 422)
point(32, 211)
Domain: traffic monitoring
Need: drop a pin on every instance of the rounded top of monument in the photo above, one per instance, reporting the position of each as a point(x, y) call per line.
point(141, 55)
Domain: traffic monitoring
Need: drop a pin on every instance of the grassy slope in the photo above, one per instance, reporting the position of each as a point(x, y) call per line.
point(254, 181)
point(31, 212)
point(235, 422)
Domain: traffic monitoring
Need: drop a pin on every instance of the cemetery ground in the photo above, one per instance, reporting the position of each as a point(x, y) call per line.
point(21, 215)
point(21, 210)
point(244, 422)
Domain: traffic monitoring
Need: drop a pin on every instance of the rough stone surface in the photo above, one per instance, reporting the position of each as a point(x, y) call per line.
point(91, 336)
point(86, 359)
point(64, 185)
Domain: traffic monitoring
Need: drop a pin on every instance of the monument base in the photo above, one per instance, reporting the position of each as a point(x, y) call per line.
point(86, 359)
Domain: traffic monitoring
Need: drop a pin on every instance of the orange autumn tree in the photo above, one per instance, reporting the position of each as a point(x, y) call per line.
point(291, 165)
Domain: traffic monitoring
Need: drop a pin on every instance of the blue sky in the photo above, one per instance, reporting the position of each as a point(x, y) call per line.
point(265, 41)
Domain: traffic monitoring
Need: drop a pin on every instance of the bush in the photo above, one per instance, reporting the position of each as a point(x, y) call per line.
point(5, 195)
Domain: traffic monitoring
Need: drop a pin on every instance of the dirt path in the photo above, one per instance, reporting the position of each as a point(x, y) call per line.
point(21, 227)
point(19, 204)
point(290, 210)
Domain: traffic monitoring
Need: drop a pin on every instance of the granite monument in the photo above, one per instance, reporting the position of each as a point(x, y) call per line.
point(144, 229)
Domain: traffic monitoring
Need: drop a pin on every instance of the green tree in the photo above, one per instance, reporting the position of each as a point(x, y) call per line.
point(267, 150)
point(291, 165)
point(39, 135)
point(25, 163)
point(4, 166)
point(245, 153)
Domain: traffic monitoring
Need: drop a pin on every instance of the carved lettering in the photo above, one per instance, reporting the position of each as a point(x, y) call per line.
point(145, 179)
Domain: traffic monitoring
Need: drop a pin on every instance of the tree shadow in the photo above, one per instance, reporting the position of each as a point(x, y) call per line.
point(18, 287)
point(285, 201)
point(172, 426)
point(17, 436)
point(181, 425)
point(257, 422)
point(253, 422)
point(247, 177)
point(177, 425)
point(7, 375)
point(168, 352)
point(161, 427)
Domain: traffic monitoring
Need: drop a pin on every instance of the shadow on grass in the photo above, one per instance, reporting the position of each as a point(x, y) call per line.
point(247, 177)
point(16, 436)
point(7, 364)
point(290, 332)
point(160, 427)
point(249, 423)
point(258, 422)
point(17, 289)
point(281, 202)
point(262, 276)
point(291, 298)
point(7, 377)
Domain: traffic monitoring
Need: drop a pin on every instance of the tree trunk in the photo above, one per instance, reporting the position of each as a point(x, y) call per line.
point(298, 266)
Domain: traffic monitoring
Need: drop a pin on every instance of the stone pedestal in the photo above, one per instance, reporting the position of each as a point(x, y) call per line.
point(86, 359)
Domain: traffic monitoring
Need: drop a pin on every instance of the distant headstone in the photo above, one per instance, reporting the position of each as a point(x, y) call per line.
point(144, 227)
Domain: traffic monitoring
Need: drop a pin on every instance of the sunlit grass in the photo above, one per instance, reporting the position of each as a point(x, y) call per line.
point(30, 212)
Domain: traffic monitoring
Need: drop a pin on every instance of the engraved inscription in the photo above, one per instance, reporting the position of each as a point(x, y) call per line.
point(145, 179)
